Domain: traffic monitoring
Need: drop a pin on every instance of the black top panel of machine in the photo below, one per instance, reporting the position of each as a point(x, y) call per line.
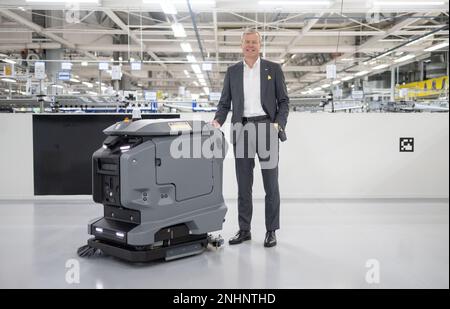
point(158, 127)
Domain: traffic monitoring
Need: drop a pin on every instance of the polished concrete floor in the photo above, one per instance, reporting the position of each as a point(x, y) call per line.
point(322, 244)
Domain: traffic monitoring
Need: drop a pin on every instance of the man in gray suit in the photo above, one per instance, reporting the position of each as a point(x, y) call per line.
point(255, 89)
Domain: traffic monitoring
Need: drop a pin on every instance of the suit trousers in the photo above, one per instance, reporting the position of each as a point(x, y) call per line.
point(259, 138)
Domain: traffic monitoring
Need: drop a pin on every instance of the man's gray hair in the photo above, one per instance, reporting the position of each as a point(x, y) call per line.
point(250, 31)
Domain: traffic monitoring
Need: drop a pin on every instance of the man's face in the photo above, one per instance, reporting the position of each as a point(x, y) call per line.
point(251, 45)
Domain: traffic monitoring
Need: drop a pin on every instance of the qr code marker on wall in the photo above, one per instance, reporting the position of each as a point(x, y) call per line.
point(406, 144)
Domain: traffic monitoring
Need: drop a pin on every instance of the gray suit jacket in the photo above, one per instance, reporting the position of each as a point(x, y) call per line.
point(274, 97)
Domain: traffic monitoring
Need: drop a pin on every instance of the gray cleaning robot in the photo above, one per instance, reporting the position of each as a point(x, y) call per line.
point(160, 183)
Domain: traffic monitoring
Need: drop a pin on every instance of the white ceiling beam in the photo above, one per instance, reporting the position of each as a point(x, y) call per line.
point(303, 32)
point(231, 49)
point(212, 33)
point(225, 6)
point(179, 68)
point(14, 46)
point(230, 33)
point(41, 30)
point(369, 44)
point(132, 35)
point(172, 48)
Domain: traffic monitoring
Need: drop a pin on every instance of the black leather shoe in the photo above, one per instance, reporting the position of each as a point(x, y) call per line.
point(240, 237)
point(270, 240)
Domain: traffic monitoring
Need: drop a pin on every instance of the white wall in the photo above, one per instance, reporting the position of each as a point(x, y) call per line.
point(16, 156)
point(357, 155)
point(326, 155)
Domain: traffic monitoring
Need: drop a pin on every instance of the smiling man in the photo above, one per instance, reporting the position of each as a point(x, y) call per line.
point(255, 89)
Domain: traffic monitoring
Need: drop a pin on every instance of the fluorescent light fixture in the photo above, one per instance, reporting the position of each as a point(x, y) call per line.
point(382, 55)
point(419, 40)
point(66, 66)
point(381, 66)
point(178, 30)
point(90, 85)
point(392, 40)
point(9, 80)
point(191, 58)
point(304, 92)
point(84, 64)
point(196, 68)
point(136, 66)
point(120, 234)
point(63, 1)
point(9, 61)
point(336, 82)
point(193, 2)
point(196, 84)
point(207, 66)
point(369, 62)
point(201, 80)
point(200, 75)
point(437, 46)
point(99, 229)
point(206, 90)
point(103, 66)
point(361, 73)
point(347, 59)
point(325, 86)
point(186, 47)
point(125, 148)
point(92, 93)
point(347, 78)
point(404, 58)
point(408, 3)
point(186, 73)
point(168, 7)
point(295, 3)
point(317, 89)
point(58, 86)
point(199, 2)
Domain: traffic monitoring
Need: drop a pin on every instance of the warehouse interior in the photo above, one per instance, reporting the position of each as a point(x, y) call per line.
point(364, 174)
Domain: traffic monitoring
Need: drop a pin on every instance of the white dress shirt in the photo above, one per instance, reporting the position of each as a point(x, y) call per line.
point(252, 90)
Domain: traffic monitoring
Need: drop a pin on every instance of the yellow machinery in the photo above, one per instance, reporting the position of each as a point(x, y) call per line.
point(430, 88)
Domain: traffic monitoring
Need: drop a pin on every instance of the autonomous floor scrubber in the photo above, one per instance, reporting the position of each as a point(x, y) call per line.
point(160, 183)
